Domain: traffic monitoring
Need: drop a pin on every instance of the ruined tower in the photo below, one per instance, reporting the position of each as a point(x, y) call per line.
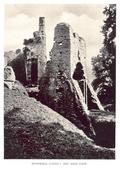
point(68, 55)
point(35, 52)
point(42, 25)
point(42, 59)
point(60, 53)
point(68, 49)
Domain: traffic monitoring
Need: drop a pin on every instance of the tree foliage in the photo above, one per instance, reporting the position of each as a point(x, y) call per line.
point(104, 62)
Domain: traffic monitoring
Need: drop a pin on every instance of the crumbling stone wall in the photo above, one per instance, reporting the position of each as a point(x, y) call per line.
point(68, 49)
point(58, 92)
point(57, 89)
point(60, 53)
point(35, 51)
point(60, 86)
point(78, 51)
point(69, 56)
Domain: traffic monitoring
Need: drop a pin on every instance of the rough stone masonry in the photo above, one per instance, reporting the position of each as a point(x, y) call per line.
point(62, 85)
point(57, 87)
point(35, 52)
point(68, 49)
point(68, 55)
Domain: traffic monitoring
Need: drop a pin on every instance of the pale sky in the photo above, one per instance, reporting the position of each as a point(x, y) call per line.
point(22, 20)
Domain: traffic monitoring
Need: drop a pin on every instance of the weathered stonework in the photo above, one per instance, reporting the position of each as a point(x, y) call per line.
point(64, 86)
point(67, 55)
point(35, 52)
point(68, 49)
point(29, 64)
point(57, 89)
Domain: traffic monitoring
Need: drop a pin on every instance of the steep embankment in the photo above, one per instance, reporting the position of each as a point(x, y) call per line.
point(104, 126)
point(34, 131)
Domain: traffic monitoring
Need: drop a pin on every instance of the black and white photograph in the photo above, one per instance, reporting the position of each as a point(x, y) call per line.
point(60, 81)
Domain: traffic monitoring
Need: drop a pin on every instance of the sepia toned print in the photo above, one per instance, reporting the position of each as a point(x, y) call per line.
point(59, 84)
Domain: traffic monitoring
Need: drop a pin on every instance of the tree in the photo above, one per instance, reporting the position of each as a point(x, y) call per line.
point(104, 63)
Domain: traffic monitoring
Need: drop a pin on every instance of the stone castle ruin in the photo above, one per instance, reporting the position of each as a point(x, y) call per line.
point(35, 53)
point(68, 49)
point(62, 82)
point(68, 55)
point(64, 86)
point(61, 104)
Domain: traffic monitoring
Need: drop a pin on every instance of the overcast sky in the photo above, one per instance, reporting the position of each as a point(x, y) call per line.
point(22, 20)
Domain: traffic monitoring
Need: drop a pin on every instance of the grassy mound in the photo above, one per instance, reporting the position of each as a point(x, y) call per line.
point(34, 131)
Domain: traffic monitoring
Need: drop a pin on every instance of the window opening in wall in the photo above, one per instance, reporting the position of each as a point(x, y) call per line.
point(78, 55)
point(34, 71)
point(74, 35)
point(31, 53)
point(59, 43)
